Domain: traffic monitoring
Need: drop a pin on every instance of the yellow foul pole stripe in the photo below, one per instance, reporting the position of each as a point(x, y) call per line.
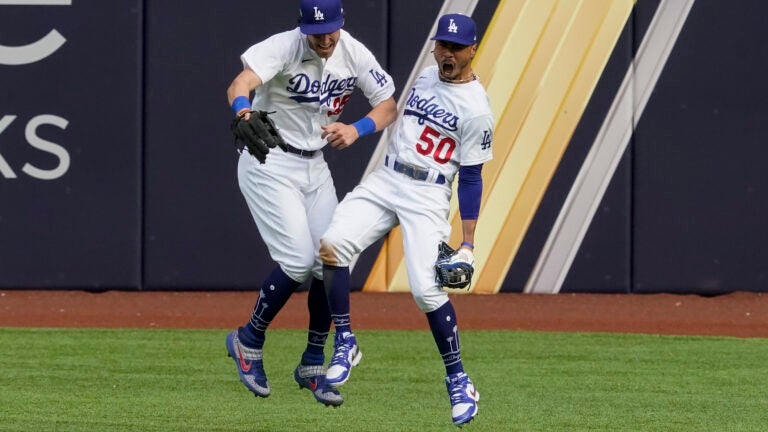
point(486, 64)
point(539, 61)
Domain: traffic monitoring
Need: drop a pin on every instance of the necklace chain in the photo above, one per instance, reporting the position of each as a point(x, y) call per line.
point(458, 81)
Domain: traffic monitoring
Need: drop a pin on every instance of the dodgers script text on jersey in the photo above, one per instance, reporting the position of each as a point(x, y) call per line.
point(321, 86)
point(437, 117)
point(301, 85)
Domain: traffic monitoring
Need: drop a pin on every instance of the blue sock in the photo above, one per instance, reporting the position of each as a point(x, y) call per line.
point(277, 289)
point(319, 324)
point(445, 330)
point(337, 286)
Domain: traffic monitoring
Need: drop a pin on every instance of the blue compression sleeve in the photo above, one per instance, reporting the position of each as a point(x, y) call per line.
point(470, 191)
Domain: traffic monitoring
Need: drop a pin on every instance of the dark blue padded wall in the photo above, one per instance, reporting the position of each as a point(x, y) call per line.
point(700, 185)
point(70, 168)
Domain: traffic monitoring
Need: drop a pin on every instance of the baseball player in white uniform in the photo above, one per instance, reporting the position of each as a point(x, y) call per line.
point(303, 77)
point(446, 128)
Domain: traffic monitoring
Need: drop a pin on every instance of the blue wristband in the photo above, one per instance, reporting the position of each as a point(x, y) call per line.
point(471, 246)
point(240, 103)
point(365, 126)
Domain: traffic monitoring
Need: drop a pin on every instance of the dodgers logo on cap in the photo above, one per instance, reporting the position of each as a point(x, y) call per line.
point(456, 28)
point(320, 16)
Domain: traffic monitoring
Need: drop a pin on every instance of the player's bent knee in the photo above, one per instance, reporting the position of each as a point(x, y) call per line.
point(429, 302)
point(297, 273)
point(299, 268)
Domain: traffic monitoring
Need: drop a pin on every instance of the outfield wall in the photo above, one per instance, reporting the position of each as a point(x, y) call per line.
point(623, 164)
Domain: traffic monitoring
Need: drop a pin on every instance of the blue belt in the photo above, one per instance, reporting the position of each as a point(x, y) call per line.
point(413, 172)
point(302, 153)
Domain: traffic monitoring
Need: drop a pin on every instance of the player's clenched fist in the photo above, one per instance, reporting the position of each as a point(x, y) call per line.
point(340, 135)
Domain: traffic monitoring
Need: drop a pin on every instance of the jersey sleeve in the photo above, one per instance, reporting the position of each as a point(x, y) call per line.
point(477, 140)
point(266, 58)
point(375, 83)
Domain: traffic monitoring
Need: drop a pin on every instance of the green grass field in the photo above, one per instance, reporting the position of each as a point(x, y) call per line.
point(182, 380)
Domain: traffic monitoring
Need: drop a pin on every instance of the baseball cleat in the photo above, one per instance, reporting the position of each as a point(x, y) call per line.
point(346, 354)
point(249, 365)
point(312, 378)
point(463, 397)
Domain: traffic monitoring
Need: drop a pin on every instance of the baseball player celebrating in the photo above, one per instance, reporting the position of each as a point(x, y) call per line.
point(301, 81)
point(445, 128)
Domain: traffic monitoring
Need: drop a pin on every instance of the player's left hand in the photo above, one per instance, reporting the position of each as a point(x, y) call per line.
point(464, 254)
point(340, 135)
point(258, 133)
point(454, 268)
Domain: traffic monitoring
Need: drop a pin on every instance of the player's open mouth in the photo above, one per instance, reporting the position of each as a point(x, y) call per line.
point(446, 69)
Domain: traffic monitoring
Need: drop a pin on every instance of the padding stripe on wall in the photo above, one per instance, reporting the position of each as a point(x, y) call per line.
point(609, 146)
point(572, 47)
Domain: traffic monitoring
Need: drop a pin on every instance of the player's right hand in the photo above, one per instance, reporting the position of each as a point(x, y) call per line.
point(340, 135)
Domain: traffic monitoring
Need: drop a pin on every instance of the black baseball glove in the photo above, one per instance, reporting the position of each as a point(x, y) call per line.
point(454, 268)
point(258, 134)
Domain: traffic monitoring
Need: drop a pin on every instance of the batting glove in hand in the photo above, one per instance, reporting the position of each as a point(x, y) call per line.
point(454, 268)
point(258, 134)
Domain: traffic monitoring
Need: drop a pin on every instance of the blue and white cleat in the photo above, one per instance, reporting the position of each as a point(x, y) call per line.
point(463, 396)
point(346, 354)
point(249, 365)
point(312, 378)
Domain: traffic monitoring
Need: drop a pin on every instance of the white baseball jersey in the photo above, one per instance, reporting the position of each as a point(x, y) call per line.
point(292, 197)
point(443, 126)
point(306, 91)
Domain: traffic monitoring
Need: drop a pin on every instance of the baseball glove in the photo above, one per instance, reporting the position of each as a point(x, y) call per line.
point(454, 268)
point(258, 134)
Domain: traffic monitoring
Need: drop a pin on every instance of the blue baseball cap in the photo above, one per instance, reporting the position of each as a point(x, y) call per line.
point(456, 28)
point(320, 16)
